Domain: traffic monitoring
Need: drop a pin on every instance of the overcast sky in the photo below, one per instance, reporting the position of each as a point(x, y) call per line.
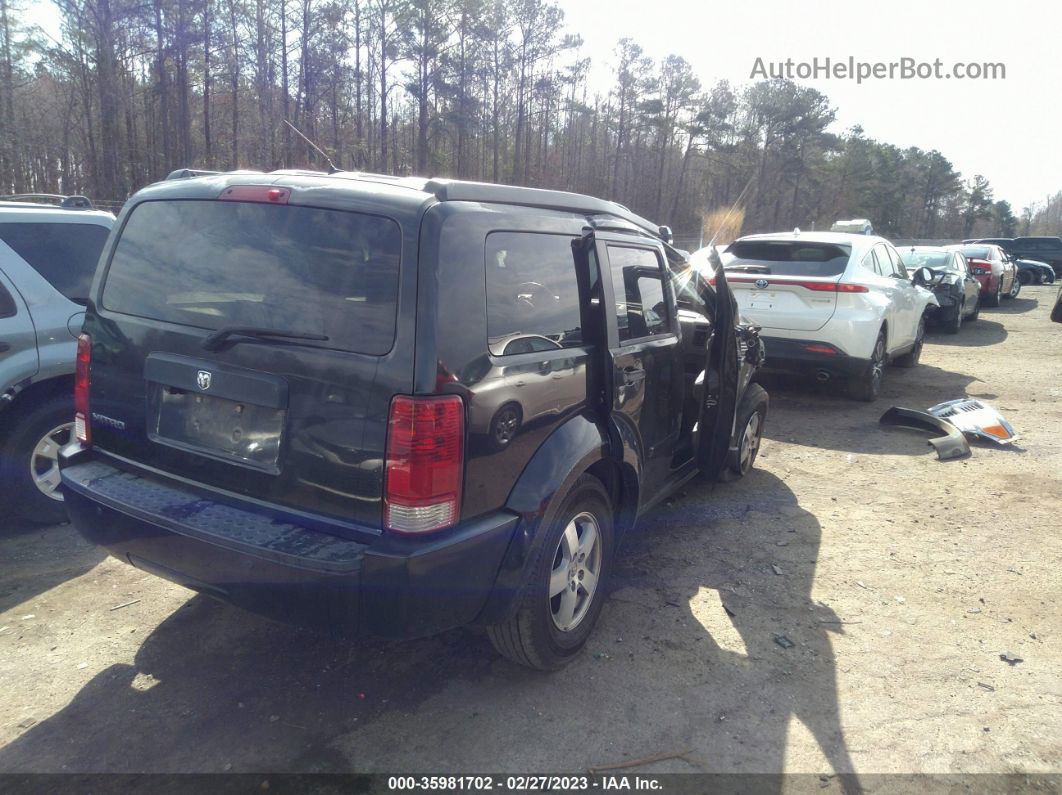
point(1008, 129)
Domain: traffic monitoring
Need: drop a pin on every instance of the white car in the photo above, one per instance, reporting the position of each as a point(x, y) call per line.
point(835, 305)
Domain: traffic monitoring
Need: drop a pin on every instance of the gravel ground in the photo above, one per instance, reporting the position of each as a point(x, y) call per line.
point(843, 608)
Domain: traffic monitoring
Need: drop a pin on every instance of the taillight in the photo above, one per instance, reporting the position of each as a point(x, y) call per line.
point(821, 287)
point(425, 463)
point(82, 427)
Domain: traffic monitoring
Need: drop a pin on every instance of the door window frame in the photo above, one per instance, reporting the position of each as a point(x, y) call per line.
point(602, 244)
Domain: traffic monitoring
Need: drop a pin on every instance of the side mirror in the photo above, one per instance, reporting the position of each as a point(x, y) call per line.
point(665, 234)
point(1056, 313)
point(923, 276)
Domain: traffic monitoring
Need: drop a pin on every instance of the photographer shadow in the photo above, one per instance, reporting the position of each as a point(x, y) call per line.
point(689, 655)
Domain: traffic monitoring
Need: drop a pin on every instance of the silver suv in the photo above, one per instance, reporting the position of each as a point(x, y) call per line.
point(48, 256)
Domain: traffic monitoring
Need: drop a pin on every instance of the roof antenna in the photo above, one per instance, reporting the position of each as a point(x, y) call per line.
point(316, 148)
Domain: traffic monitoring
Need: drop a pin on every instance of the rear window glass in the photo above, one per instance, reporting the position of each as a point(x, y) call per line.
point(532, 293)
point(977, 252)
point(928, 259)
point(212, 264)
point(788, 258)
point(64, 254)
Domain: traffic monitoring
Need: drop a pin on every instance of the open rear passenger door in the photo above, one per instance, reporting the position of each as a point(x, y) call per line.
point(719, 399)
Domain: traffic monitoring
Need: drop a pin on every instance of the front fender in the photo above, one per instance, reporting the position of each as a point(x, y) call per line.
point(537, 496)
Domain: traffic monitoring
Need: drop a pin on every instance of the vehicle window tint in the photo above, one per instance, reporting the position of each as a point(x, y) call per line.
point(977, 252)
point(788, 258)
point(638, 284)
point(532, 293)
point(211, 264)
point(64, 254)
point(7, 303)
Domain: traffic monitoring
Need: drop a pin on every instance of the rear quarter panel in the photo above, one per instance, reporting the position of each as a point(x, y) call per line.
point(453, 356)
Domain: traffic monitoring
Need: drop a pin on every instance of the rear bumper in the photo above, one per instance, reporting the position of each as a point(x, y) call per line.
point(793, 356)
point(290, 571)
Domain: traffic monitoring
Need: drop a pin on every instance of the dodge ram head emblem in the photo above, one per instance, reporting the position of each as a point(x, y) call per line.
point(202, 380)
point(761, 284)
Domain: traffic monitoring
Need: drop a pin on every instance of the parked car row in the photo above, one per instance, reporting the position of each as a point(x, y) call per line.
point(842, 306)
point(1042, 250)
point(406, 405)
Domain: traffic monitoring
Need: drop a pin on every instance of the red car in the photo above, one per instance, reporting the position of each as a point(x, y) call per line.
point(994, 269)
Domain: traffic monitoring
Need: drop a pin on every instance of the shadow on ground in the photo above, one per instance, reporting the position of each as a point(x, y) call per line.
point(705, 649)
point(35, 559)
point(974, 334)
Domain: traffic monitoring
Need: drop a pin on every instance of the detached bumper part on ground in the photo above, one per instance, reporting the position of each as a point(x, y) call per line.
point(283, 569)
point(951, 445)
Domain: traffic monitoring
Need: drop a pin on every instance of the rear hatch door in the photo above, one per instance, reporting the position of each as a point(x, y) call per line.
point(193, 372)
point(786, 284)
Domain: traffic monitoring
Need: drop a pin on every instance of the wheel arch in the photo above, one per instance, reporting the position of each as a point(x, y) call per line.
point(32, 395)
point(579, 446)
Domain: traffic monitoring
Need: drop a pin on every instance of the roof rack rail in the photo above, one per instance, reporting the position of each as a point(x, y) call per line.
point(459, 190)
point(74, 202)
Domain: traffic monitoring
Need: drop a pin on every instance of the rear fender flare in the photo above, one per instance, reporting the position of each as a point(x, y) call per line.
point(570, 451)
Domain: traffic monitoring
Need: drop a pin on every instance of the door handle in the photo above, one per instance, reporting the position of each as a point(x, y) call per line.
point(632, 375)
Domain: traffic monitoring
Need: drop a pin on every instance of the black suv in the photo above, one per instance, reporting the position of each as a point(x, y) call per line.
point(395, 404)
point(1041, 249)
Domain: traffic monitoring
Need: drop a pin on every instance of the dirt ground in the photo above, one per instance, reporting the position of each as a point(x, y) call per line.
point(898, 579)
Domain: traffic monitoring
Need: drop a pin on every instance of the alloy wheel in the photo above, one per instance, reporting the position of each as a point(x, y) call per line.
point(877, 364)
point(750, 441)
point(505, 426)
point(575, 573)
point(44, 461)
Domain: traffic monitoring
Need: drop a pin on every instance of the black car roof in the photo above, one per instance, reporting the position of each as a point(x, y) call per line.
point(401, 192)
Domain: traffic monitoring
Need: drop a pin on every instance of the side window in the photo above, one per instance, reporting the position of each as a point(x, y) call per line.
point(7, 303)
point(688, 285)
point(532, 293)
point(64, 254)
point(897, 263)
point(870, 262)
point(638, 284)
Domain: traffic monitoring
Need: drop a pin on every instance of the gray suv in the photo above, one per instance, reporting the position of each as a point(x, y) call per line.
point(48, 255)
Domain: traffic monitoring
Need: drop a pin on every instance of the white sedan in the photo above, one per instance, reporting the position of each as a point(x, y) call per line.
point(833, 305)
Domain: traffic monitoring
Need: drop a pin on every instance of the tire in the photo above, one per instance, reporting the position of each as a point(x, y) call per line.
point(29, 463)
point(541, 634)
point(751, 417)
point(954, 326)
point(1015, 288)
point(994, 299)
point(867, 386)
point(910, 359)
point(504, 425)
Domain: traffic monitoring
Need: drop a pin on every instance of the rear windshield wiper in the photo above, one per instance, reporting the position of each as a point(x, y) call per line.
point(215, 340)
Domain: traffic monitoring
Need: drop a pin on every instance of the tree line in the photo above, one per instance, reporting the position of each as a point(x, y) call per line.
point(491, 90)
